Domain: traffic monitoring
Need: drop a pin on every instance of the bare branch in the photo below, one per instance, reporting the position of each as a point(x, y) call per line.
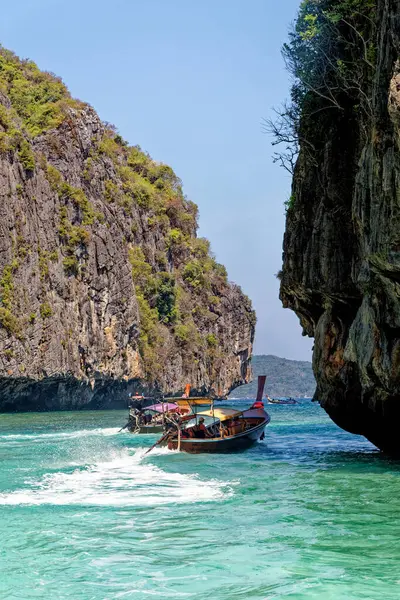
point(328, 57)
point(363, 42)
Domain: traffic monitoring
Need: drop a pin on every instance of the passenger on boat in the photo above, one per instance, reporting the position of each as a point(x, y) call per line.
point(199, 430)
point(235, 426)
point(224, 429)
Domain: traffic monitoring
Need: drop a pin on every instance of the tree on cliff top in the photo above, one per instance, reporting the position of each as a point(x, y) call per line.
point(330, 55)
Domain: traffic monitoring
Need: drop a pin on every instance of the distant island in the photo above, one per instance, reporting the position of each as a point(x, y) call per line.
point(285, 378)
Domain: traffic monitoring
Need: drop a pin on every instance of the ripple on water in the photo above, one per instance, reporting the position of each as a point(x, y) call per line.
point(312, 513)
point(124, 479)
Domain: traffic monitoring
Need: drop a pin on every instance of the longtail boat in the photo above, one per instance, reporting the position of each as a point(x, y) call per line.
point(220, 429)
point(281, 400)
point(163, 415)
point(152, 419)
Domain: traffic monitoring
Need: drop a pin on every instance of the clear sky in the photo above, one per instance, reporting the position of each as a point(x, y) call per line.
point(190, 82)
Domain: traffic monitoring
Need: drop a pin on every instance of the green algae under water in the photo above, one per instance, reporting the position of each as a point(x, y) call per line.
point(311, 512)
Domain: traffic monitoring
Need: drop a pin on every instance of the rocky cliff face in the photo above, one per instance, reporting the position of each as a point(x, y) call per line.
point(341, 271)
point(104, 285)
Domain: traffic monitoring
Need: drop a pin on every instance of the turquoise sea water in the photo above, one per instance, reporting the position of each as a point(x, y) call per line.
point(311, 513)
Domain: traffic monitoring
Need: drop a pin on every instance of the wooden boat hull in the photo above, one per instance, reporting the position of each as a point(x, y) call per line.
point(233, 443)
point(148, 429)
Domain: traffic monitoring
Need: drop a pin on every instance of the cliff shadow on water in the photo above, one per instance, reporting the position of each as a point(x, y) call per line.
point(341, 263)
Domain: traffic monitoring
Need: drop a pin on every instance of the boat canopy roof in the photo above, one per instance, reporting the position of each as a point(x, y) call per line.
point(189, 404)
point(223, 414)
point(162, 407)
point(195, 400)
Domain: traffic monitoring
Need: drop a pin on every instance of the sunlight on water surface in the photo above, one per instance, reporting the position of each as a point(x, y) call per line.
point(311, 513)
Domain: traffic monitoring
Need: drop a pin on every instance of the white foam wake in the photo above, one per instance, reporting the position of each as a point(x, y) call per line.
point(124, 480)
point(105, 431)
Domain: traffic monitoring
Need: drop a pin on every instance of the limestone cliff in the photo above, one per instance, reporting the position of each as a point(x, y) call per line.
point(104, 286)
point(341, 271)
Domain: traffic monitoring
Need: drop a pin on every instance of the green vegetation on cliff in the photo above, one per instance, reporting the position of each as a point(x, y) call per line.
point(185, 269)
point(38, 99)
point(331, 55)
point(181, 291)
point(341, 262)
